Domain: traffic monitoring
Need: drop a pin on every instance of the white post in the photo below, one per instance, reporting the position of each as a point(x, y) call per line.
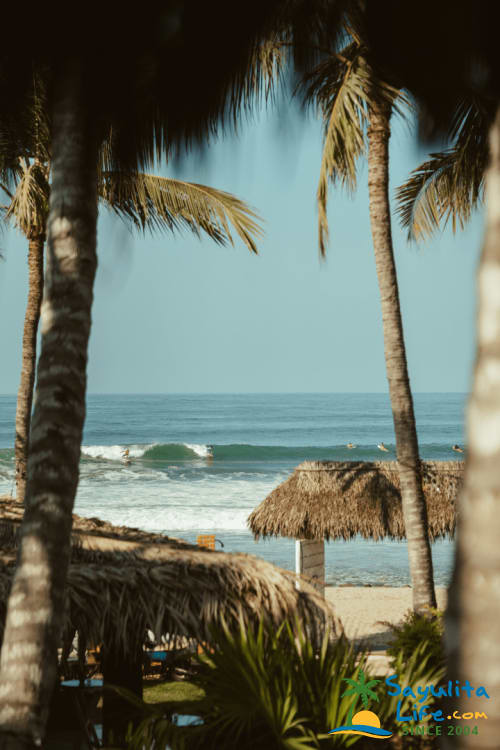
point(298, 558)
point(310, 563)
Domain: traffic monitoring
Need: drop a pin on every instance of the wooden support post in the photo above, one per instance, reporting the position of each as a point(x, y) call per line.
point(310, 563)
point(125, 671)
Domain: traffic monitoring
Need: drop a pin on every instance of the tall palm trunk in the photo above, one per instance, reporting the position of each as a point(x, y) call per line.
point(35, 607)
point(414, 508)
point(25, 392)
point(473, 611)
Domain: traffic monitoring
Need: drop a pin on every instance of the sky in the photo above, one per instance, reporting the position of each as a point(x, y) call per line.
point(176, 314)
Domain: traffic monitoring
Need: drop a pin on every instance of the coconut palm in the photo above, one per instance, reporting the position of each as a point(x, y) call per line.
point(448, 188)
point(474, 600)
point(460, 55)
point(147, 202)
point(156, 79)
point(35, 234)
point(356, 106)
point(450, 185)
point(24, 156)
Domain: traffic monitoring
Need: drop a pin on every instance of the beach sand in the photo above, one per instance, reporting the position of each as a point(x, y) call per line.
point(362, 609)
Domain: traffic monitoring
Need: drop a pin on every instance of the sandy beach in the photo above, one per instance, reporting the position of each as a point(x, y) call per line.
point(363, 609)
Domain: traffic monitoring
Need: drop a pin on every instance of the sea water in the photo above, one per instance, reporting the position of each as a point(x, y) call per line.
point(202, 463)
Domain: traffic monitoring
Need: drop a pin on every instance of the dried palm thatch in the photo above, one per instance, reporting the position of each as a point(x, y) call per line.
point(89, 535)
point(339, 500)
point(122, 581)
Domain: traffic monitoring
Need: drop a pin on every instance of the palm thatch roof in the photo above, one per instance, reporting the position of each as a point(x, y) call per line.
point(122, 581)
point(339, 500)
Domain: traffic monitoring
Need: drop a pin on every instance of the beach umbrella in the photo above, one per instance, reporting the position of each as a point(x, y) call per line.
point(328, 500)
point(122, 581)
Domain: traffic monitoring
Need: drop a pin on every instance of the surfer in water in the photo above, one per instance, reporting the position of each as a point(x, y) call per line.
point(457, 449)
point(126, 456)
point(382, 447)
point(351, 445)
point(210, 454)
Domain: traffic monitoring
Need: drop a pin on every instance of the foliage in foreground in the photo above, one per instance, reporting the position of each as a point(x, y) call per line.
point(266, 688)
point(417, 670)
point(273, 689)
point(418, 632)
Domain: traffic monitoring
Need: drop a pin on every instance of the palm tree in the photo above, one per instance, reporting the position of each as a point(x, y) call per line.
point(450, 185)
point(34, 231)
point(356, 106)
point(145, 201)
point(460, 57)
point(157, 79)
point(24, 158)
point(474, 600)
point(447, 188)
point(57, 422)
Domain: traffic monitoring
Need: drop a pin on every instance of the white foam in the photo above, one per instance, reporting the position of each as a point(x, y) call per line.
point(176, 519)
point(121, 472)
point(203, 451)
point(210, 502)
point(114, 452)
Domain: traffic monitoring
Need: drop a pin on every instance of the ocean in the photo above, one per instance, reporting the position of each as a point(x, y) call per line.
point(201, 464)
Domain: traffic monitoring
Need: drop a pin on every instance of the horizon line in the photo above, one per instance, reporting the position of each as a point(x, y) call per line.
point(257, 393)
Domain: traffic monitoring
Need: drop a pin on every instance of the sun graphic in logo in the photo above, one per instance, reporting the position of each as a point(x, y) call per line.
point(365, 723)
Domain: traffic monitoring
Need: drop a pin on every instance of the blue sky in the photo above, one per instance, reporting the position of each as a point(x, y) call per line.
point(175, 314)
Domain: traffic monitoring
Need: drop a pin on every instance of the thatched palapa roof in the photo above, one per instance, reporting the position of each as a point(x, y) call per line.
point(339, 500)
point(122, 581)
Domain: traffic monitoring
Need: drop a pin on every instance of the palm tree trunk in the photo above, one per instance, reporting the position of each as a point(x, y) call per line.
point(414, 508)
point(35, 606)
point(123, 670)
point(473, 610)
point(25, 392)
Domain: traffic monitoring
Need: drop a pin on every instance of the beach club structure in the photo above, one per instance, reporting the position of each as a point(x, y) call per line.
point(329, 500)
point(123, 582)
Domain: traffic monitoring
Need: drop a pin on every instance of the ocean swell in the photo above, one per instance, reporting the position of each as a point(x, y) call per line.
point(243, 452)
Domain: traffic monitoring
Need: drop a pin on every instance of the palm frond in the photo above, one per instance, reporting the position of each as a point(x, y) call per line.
point(159, 203)
point(26, 136)
point(345, 89)
point(339, 87)
point(29, 206)
point(265, 70)
point(450, 184)
point(24, 156)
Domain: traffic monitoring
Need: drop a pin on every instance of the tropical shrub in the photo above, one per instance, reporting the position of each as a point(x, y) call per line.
point(271, 689)
point(418, 670)
point(414, 631)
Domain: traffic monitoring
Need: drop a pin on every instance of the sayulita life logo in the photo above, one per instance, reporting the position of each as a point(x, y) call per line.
point(416, 710)
point(365, 723)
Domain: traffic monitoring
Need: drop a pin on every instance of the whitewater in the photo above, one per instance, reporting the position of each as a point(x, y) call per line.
point(201, 464)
